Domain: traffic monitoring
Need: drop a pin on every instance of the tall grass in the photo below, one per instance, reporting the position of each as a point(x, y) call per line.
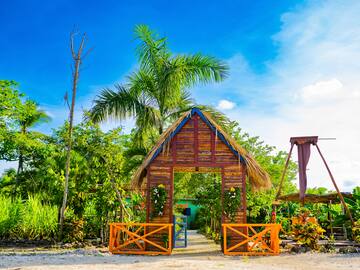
point(30, 220)
point(10, 211)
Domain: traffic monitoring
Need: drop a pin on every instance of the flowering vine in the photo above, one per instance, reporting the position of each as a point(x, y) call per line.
point(158, 198)
point(232, 202)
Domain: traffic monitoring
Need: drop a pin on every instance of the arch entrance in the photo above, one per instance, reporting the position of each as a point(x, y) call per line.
point(194, 143)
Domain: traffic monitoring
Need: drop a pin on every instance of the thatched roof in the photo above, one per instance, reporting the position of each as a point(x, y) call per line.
point(315, 198)
point(259, 179)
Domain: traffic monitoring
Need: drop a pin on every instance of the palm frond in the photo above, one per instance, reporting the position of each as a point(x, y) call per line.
point(199, 69)
point(114, 104)
point(151, 50)
point(143, 82)
point(184, 104)
point(31, 115)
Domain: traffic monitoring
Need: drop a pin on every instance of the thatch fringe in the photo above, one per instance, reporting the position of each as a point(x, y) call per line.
point(258, 177)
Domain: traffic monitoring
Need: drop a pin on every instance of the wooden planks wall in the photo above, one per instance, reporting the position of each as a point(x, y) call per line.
point(195, 146)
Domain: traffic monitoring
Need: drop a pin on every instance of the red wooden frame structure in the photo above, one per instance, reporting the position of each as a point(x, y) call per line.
point(300, 142)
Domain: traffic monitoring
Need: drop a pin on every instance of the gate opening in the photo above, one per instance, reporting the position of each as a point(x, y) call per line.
point(196, 204)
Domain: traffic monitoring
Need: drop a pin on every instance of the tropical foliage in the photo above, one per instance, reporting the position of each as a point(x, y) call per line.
point(102, 162)
point(156, 94)
point(306, 232)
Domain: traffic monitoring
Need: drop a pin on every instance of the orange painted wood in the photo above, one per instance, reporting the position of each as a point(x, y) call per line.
point(123, 235)
point(260, 239)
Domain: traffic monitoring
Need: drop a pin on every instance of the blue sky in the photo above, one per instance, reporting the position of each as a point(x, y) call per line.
point(35, 49)
point(294, 65)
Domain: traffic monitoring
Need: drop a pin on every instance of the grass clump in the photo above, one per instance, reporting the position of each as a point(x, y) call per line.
point(30, 219)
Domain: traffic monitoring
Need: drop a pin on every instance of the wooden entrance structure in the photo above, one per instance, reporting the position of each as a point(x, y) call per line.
point(196, 143)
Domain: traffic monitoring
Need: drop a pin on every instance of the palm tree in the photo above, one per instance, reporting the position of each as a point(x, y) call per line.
point(156, 93)
point(29, 115)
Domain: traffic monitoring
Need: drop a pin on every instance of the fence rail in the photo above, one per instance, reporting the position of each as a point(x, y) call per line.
point(140, 238)
point(251, 239)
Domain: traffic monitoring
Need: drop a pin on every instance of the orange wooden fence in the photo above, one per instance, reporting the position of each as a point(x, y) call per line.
point(140, 238)
point(251, 239)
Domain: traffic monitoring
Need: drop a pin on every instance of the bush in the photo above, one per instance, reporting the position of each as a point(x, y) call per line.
point(73, 227)
point(307, 233)
point(356, 231)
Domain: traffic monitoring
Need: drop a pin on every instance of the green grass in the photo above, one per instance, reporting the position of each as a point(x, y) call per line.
point(30, 220)
point(10, 211)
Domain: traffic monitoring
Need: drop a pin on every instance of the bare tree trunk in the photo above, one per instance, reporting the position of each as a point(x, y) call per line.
point(21, 161)
point(77, 60)
point(20, 168)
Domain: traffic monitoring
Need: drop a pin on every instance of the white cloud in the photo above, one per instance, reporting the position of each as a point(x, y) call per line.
point(312, 87)
point(225, 105)
point(322, 90)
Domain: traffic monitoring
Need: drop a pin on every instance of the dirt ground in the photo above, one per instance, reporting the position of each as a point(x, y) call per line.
point(200, 254)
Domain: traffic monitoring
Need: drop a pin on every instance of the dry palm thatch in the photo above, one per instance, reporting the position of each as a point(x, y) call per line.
point(316, 198)
point(258, 177)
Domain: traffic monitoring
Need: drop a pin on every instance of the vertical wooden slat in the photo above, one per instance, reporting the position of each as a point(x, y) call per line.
point(173, 149)
point(243, 194)
point(222, 195)
point(148, 179)
point(171, 195)
point(196, 139)
point(212, 138)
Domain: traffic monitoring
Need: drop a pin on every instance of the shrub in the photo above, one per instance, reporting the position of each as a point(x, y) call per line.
point(73, 227)
point(307, 233)
point(356, 231)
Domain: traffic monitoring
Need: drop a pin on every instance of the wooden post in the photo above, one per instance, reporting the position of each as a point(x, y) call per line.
point(283, 174)
point(225, 239)
point(330, 219)
point(336, 187)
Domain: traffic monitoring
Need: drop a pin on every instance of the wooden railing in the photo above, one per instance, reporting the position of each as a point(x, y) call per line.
point(251, 239)
point(140, 238)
